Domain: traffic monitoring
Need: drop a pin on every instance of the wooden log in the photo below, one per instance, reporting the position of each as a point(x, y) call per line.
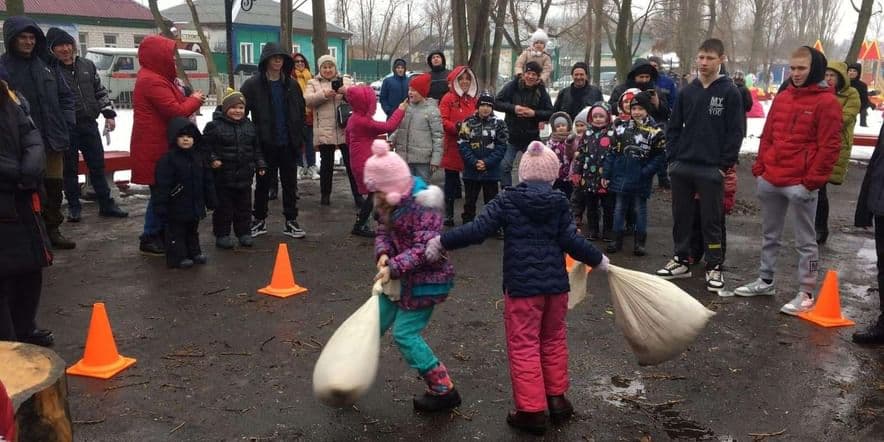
point(35, 379)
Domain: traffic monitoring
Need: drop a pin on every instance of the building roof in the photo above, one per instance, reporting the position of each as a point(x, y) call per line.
point(119, 9)
point(263, 13)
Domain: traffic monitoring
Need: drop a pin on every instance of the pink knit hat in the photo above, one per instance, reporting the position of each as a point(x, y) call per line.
point(539, 163)
point(387, 172)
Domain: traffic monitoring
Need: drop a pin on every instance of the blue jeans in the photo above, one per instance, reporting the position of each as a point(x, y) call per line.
point(640, 210)
point(85, 138)
point(421, 170)
point(510, 160)
point(308, 156)
point(152, 226)
point(407, 327)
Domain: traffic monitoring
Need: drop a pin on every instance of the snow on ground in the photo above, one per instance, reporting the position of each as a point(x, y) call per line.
point(120, 137)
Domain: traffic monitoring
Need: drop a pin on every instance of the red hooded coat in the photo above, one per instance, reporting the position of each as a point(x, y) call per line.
point(156, 100)
point(456, 105)
point(362, 129)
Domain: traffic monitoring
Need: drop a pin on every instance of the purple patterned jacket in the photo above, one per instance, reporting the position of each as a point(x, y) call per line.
point(416, 220)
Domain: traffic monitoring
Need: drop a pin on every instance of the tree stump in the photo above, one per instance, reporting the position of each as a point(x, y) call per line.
point(35, 380)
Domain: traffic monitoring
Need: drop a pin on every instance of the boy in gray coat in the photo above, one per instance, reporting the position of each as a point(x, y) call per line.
point(418, 140)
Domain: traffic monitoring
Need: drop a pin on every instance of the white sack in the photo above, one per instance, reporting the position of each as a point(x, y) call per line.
point(658, 319)
point(577, 276)
point(348, 364)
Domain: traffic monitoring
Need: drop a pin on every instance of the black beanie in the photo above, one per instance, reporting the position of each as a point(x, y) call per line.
point(533, 66)
point(818, 65)
point(57, 36)
point(642, 99)
point(485, 98)
point(580, 65)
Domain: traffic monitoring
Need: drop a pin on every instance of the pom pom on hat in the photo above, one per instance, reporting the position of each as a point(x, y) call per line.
point(539, 163)
point(232, 97)
point(387, 172)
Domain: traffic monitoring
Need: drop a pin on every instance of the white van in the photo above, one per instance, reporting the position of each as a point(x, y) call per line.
point(118, 68)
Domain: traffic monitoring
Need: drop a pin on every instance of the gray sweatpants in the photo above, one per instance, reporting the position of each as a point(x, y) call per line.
point(775, 203)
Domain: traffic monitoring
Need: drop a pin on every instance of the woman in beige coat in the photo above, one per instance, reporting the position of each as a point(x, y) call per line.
point(324, 99)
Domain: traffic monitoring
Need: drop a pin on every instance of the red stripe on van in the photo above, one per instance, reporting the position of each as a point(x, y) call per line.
point(122, 75)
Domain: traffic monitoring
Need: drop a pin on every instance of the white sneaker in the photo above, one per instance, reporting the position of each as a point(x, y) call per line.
point(800, 304)
point(756, 288)
point(714, 280)
point(674, 269)
point(312, 172)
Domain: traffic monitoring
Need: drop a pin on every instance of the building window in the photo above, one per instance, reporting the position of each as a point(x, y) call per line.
point(261, 47)
point(138, 40)
point(246, 53)
point(296, 49)
point(189, 64)
point(110, 40)
point(333, 51)
point(84, 39)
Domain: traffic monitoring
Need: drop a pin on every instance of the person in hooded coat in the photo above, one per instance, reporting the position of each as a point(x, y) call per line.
point(799, 147)
point(536, 52)
point(394, 88)
point(156, 100)
point(855, 72)
point(35, 73)
point(438, 75)
point(457, 105)
point(848, 97)
point(276, 106)
point(642, 76)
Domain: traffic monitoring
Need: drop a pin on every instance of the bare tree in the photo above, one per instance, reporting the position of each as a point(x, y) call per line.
point(320, 31)
point(285, 25)
point(494, 68)
point(626, 38)
point(862, 24)
point(761, 12)
point(167, 32)
point(215, 85)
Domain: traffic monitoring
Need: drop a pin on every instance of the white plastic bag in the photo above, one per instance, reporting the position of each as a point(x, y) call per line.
point(348, 364)
point(577, 275)
point(658, 319)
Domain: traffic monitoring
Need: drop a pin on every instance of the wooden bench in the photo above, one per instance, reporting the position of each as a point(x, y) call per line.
point(114, 160)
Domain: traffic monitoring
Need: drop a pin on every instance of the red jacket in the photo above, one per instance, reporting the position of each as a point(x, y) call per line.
point(156, 100)
point(362, 129)
point(457, 105)
point(801, 138)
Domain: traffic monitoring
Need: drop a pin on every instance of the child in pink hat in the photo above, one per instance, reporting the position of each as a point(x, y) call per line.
point(409, 214)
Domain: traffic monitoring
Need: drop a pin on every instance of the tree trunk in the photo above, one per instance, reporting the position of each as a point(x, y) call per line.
point(285, 25)
point(494, 67)
point(215, 86)
point(598, 11)
point(713, 18)
point(862, 24)
point(758, 34)
point(164, 29)
point(459, 30)
point(15, 7)
point(588, 42)
point(478, 59)
point(36, 382)
point(622, 46)
point(320, 31)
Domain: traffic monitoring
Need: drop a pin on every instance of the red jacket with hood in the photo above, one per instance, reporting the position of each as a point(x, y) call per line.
point(156, 101)
point(362, 129)
point(457, 105)
point(802, 135)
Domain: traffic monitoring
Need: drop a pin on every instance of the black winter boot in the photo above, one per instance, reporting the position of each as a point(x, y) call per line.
point(874, 335)
point(616, 245)
point(638, 248)
point(531, 422)
point(430, 402)
point(110, 209)
point(449, 213)
point(58, 240)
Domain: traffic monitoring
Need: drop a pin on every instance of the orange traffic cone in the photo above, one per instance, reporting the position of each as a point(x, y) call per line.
point(282, 283)
point(827, 311)
point(571, 262)
point(100, 359)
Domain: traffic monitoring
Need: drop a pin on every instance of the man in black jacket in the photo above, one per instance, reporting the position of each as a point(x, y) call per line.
point(276, 105)
point(34, 73)
point(91, 100)
point(526, 104)
point(643, 76)
point(854, 71)
point(740, 82)
point(871, 200)
point(579, 95)
point(703, 140)
point(438, 75)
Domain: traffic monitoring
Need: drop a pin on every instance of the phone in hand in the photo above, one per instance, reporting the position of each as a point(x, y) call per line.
point(337, 83)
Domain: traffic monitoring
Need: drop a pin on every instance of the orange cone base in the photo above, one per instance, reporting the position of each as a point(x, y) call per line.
point(102, 371)
point(283, 293)
point(826, 321)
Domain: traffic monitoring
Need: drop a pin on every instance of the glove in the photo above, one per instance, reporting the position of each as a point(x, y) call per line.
point(434, 249)
point(603, 265)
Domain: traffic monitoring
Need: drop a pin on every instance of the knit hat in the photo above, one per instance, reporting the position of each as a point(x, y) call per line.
point(485, 98)
point(387, 172)
point(580, 65)
point(398, 62)
point(57, 36)
point(539, 163)
point(539, 35)
point(600, 107)
point(326, 59)
point(533, 66)
point(421, 84)
point(656, 59)
point(232, 97)
point(582, 116)
point(626, 99)
point(642, 99)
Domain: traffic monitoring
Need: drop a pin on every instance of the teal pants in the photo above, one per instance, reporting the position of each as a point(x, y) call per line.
point(407, 327)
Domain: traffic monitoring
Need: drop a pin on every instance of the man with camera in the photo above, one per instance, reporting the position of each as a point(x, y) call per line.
point(276, 106)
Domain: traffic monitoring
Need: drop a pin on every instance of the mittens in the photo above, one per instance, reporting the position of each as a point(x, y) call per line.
point(434, 249)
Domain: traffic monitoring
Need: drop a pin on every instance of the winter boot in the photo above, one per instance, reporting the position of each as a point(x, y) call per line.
point(449, 213)
point(593, 234)
point(874, 335)
point(58, 240)
point(616, 245)
point(440, 394)
point(531, 422)
point(325, 200)
point(110, 209)
point(638, 248)
point(607, 236)
point(362, 229)
point(560, 408)
point(152, 245)
point(74, 214)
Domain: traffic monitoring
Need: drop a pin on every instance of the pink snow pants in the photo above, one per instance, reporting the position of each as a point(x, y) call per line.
point(537, 347)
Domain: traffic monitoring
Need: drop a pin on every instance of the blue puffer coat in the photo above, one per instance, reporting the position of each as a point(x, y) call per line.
point(638, 153)
point(539, 229)
point(394, 90)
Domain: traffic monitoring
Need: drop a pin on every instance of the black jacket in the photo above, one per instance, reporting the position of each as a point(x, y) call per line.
point(438, 77)
point(259, 102)
point(92, 97)
point(184, 185)
point(860, 87)
point(573, 100)
point(871, 195)
point(235, 144)
point(39, 79)
point(706, 127)
point(523, 130)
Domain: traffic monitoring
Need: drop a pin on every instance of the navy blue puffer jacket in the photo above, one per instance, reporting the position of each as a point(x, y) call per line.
point(539, 229)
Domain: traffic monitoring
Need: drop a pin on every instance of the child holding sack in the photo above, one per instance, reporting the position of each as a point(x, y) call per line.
point(409, 214)
point(232, 142)
point(539, 229)
point(184, 189)
point(587, 171)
